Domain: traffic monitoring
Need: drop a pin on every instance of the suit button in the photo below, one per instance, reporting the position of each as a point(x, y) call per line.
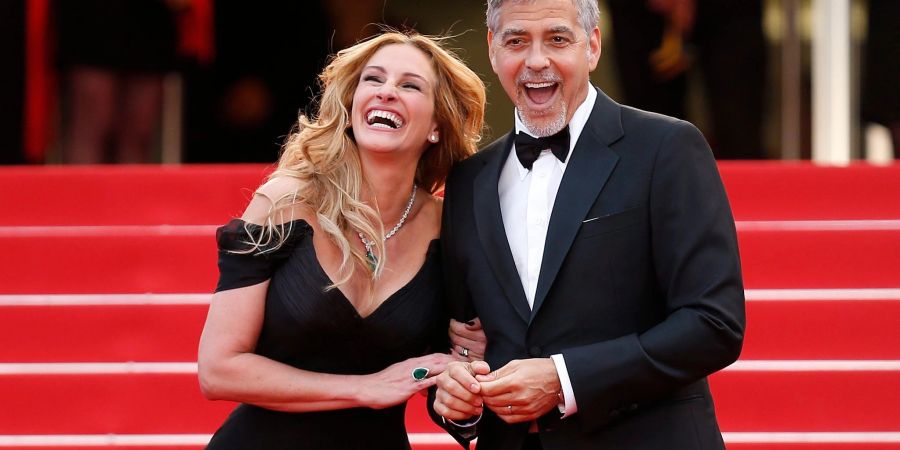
point(632, 407)
point(534, 351)
point(614, 413)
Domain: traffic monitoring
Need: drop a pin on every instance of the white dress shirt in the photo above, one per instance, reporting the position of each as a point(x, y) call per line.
point(526, 201)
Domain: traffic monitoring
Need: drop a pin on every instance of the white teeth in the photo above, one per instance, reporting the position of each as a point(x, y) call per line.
point(539, 85)
point(395, 119)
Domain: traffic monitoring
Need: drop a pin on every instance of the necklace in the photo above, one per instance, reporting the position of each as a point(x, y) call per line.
point(370, 255)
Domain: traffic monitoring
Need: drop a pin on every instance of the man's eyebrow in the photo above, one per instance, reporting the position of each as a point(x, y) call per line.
point(512, 32)
point(561, 29)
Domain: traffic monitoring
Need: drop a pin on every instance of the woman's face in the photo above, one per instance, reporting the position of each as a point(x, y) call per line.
point(393, 106)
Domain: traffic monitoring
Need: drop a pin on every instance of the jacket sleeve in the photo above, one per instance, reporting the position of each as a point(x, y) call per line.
point(459, 307)
point(458, 298)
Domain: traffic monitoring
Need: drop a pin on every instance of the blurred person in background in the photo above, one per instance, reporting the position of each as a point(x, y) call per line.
point(240, 105)
point(658, 41)
point(249, 95)
point(112, 56)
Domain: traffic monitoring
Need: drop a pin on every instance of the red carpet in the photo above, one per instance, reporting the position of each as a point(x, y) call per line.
point(107, 271)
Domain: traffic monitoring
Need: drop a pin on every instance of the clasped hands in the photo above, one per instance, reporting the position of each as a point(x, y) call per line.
point(520, 391)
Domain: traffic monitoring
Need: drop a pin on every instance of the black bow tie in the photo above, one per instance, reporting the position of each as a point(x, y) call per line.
point(528, 148)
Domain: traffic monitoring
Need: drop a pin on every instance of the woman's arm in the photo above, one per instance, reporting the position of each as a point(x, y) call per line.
point(229, 370)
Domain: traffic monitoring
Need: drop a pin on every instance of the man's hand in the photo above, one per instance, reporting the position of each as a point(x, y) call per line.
point(522, 390)
point(458, 396)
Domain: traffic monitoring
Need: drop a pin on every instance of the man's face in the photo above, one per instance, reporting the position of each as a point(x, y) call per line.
point(543, 58)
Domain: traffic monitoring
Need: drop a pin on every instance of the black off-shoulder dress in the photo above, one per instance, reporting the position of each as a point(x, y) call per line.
point(317, 330)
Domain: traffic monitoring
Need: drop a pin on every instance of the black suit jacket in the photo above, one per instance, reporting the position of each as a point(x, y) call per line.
point(640, 286)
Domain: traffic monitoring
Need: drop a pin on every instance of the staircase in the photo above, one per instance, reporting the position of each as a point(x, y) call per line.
point(106, 276)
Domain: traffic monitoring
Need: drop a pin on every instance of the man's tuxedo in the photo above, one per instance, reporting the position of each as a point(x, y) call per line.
point(640, 286)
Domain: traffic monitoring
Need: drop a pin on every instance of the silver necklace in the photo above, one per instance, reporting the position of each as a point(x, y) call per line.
point(370, 255)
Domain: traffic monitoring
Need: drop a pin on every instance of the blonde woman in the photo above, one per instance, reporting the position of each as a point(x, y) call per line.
point(329, 313)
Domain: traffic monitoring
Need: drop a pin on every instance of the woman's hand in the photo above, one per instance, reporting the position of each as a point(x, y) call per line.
point(395, 384)
point(468, 340)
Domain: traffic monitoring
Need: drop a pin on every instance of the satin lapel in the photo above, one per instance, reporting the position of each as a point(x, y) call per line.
point(589, 168)
point(489, 225)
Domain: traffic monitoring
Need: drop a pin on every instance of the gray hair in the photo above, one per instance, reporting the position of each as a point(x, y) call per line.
point(588, 13)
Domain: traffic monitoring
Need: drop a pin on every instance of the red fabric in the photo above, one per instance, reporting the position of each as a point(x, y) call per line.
point(196, 32)
point(40, 89)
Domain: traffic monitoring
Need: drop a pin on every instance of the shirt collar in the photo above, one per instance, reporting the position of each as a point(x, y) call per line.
point(576, 126)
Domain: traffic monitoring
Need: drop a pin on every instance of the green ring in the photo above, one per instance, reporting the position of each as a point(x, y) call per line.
point(419, 373)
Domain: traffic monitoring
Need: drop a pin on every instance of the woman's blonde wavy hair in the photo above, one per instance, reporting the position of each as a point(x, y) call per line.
point(322, 154)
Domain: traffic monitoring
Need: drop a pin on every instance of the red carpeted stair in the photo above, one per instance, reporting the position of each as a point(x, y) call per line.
point(106, 275)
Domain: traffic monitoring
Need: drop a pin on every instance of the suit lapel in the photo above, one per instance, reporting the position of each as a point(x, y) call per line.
point(589, 168)
point(492, 234)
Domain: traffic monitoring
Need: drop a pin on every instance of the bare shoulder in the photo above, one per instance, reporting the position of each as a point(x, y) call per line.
point(277, 196)
point(279, 187)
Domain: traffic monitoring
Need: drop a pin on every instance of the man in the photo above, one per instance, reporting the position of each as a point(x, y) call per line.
point(599, 253)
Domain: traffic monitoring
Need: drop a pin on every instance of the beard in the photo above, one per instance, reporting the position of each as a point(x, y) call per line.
point(553, 120)
point(547, 122)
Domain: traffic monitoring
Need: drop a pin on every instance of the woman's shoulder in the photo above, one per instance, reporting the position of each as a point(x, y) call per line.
point(238, 235)
point(275, 219)
point(277, 201)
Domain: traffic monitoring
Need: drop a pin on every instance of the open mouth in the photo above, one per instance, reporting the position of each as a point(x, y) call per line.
point(541, 92)
point(383, 119)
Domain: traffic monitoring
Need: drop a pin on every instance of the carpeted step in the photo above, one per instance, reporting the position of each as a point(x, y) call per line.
point(90, 330)
point(823, 329)
point(774, 190)
point(126, 195)
point(209, 194)
point(746, 401)
point(85, 262)
point(101, 333)
point(183, 260)
point(820, 259)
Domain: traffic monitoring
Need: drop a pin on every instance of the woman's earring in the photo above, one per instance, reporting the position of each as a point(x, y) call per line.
point(433, 138)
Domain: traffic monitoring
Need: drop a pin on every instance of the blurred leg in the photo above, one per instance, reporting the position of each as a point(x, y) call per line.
point(139, 122)
point(92, 100)
point(732, 56)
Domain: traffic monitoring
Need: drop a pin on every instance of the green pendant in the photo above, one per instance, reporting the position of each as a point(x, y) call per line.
point(370, 257)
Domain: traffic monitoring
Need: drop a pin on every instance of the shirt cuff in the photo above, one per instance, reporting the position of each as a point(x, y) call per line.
point(568, 407)
point(468, 423)
point(465, 430)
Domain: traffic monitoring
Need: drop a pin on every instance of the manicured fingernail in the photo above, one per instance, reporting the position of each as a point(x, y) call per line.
point(473, 387)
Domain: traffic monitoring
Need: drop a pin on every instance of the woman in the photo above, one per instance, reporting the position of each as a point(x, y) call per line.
point(329, 298)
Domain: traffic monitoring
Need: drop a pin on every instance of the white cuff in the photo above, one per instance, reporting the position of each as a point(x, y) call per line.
point(465, 424)
point(569, 406)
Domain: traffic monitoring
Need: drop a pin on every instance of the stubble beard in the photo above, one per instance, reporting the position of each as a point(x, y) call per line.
point(545, 128)
point(555, 115)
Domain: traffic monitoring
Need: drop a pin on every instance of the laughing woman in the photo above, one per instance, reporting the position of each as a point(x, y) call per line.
point(328, 314)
